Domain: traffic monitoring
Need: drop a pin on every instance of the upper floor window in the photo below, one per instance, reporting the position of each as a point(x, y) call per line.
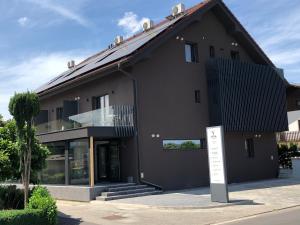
point(191, 52)
point(59, 113)
point(197, 96)
point(212, 52)
point(100, 102)
point(235, 55)
point(184, 144)
point(249, 146)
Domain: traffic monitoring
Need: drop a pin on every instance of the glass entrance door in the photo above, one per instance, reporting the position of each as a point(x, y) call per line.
point(107, 161)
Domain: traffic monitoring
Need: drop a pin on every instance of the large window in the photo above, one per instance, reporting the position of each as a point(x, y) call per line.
point(79, 161)
point(184, 144)
point(55, 165)
point(191, 52)
point(249, 146)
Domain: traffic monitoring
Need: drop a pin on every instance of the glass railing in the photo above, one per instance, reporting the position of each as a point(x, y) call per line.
point(113, 116)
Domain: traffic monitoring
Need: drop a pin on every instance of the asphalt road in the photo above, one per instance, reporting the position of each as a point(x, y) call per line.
point(283, 217)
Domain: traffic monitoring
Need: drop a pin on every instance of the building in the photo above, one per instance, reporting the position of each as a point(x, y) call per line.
point(138, 111)
point(293, 107)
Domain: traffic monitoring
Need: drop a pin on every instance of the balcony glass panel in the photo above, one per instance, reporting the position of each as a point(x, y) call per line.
point(113, 116)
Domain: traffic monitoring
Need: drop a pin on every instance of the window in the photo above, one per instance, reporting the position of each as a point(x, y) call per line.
point(100, 102)
point(59, 113)
point(79, 162)
point(235, 55)
point(212, 53)
point(298, 104)
point(191, 53)
point(249, 146)
point(197, 96)
point(184, 144)
point(54, 173)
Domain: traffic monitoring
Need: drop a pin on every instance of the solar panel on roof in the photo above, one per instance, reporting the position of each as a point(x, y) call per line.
point(110, 55)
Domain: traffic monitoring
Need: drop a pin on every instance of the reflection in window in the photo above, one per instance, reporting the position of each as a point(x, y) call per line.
point(54, 173)
point(78, 160)
point(184, 144)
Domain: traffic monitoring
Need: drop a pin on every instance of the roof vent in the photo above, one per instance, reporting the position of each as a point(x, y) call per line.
point(148, 24)
point(71, 64)
point(178, 9)
point(119, 40)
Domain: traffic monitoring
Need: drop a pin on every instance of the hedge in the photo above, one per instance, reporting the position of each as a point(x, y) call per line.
point(41, 210)
point(23, 217)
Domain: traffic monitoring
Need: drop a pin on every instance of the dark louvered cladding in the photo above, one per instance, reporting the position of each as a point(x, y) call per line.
point(124, 120)
point(246, 97)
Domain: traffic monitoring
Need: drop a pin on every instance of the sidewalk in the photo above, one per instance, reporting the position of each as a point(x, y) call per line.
point(189, 206)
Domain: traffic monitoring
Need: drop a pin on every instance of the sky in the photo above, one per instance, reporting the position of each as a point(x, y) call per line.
point(39, 37)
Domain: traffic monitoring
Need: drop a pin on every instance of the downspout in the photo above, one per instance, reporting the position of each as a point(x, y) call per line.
point(134, 82)
point(136, 113)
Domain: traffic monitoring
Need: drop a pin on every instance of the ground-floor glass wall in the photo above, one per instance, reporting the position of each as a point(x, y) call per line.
point(69, 162)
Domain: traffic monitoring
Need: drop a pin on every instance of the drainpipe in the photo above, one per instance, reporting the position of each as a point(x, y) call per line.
point(134, 82)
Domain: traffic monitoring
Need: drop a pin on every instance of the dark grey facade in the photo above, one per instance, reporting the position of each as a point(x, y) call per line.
point(175, 100)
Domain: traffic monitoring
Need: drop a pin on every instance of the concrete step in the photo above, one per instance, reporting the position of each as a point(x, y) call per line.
point(131, 187)
point(103, 198)
point(127, 192)
point(121, 185)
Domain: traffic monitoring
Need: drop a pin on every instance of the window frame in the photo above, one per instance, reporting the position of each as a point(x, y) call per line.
point(59, 113)
point(98, 99)
point(194, 55)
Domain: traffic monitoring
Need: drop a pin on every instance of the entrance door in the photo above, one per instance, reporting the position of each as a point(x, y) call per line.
point(107, 165)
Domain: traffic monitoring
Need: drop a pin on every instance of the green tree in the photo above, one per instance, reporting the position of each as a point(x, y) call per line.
point(2, 121)
point(9, 154)
point(24, 107)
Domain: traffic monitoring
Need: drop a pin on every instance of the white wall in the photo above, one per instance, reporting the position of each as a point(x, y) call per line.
point(293, 118)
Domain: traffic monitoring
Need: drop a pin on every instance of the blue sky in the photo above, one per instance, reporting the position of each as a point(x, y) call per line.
point(38, 37)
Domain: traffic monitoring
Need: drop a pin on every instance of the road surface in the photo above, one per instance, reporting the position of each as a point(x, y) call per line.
point(283, 217)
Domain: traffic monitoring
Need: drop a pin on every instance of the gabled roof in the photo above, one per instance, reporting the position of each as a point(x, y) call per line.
point(136, 44)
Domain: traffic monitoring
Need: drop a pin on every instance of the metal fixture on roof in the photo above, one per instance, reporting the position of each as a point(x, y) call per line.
point(71, 64)
point(178, 9)
point(148, 24)
point(119, 40)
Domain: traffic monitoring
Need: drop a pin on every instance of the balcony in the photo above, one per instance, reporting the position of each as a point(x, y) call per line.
point(290, 136)
point(120, 118)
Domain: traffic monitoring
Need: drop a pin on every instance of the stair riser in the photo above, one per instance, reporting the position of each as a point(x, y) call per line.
point(127, 196)
point(127, 188)
point(127, 192)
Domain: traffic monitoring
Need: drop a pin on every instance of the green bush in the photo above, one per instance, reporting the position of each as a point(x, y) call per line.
point(23, 217)
point(286, 153)
point(11, 197)
point(42, 200)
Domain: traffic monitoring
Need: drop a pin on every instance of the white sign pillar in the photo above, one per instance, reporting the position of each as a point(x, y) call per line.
point(217, 164)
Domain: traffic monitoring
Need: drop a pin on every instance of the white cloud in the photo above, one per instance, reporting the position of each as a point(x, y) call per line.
point(62, 11)
point(23, 21)
point(131, 23)
point(30, 73)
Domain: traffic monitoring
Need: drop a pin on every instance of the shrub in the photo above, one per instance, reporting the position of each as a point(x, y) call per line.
point(42, 200)
point(22, 217)
point(286, 153)
point(11, 198)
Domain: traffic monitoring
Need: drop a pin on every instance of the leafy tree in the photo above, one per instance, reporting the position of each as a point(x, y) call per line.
point(2, 121)
point(24, 107)
point(9, 155)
